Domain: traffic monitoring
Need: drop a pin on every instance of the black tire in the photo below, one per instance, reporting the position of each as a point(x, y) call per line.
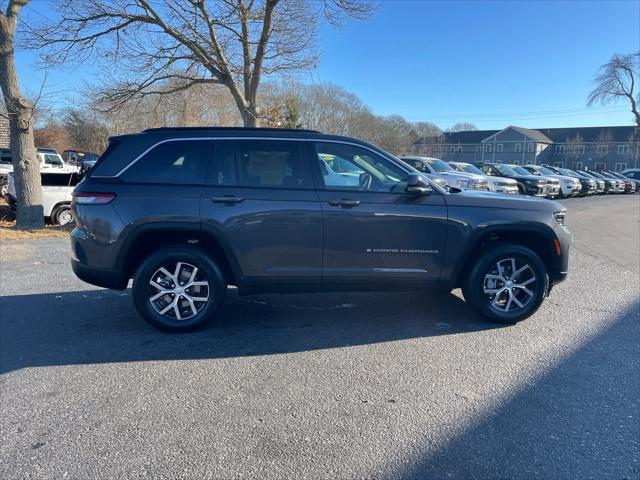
point(208, 271)
point(62, 215)
point(474, 284)
point(522, 190)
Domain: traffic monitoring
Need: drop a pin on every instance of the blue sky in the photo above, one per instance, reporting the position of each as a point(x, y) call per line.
point(492, 63)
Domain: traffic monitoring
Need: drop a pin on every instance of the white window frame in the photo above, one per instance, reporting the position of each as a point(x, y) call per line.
point(517, 148)
point(621, 166)
point(623, 149)
point(478, 148)
point(516, 162)
point(602, 149)
point(561, 149)
point(487, 148)
point(558, 164)
point(530, 147)
point(499, 147)
point(578, 166)
point(578, 149)
point(599, 166)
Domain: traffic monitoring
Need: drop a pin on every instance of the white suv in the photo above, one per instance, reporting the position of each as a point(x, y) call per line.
point(496, 184)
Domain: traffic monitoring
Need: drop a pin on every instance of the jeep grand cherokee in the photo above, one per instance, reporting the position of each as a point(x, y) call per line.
point(187, 211)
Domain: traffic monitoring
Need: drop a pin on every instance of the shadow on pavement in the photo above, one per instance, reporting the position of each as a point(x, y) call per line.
point(581, 419)
point(98, 326)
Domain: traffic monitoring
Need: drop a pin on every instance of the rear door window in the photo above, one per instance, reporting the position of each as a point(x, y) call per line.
point(271, 163)
point(178, 162)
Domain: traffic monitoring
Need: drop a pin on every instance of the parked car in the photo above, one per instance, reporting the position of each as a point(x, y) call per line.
point(441, 169)
point(203, 208)
point(527, 184)
point(623, 177)
point(611, 185)
point(82, 159)
point(50, 161)
point(553, 187)
point(569, 186)
point(496, 184)
point(588, 186)
point(631, 173)
point(629, 183)
point(601, 185)
point(56, 195)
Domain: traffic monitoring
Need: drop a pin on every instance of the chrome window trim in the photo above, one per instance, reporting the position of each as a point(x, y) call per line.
point(180, 139)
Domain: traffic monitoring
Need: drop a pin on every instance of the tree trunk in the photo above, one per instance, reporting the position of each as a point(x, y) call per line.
point(26, 167)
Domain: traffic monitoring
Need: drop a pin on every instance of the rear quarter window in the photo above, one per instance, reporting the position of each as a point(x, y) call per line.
point(179, 162)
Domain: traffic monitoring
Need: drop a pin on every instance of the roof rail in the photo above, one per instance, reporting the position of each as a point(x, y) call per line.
point(258, 129)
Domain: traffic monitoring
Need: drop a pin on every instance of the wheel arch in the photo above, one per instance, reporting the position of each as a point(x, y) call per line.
point(146, 239)
point(538, 238)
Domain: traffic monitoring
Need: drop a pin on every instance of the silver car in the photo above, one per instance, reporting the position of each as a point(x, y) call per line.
point(496, 184)
point(440, 169)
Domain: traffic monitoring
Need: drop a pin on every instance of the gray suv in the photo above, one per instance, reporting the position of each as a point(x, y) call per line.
point(185, 212)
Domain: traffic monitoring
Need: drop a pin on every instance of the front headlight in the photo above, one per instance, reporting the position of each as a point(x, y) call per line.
point(560, 217)
point(463, 183)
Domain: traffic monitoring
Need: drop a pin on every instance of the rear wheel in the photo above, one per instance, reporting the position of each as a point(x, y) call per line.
point(507, 284)
point(62, 215)
point(178, 288)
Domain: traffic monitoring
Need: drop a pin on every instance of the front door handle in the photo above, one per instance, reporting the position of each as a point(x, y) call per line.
point(228, 200)
point(345, 203)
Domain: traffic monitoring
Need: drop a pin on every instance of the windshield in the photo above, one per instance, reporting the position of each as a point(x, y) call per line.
point(503, 169)
point(51, 159)
point(520, 170)
point(564, 171)
point(439, 165)
point(471, 169)
point(545, 171)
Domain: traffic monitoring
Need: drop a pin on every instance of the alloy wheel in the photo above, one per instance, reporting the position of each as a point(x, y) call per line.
point(178, 290)
point(510, 285)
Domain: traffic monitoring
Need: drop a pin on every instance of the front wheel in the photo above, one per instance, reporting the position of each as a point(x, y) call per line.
point(178, 288)
point(507, 284)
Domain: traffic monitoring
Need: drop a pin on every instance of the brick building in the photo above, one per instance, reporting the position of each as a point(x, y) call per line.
point(596, 148)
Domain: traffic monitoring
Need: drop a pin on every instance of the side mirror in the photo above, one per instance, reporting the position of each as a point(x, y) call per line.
point(417, 184)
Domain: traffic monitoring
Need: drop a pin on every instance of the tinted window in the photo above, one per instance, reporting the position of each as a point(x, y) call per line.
point(360, 169)
point(271, 163)
point(175, 162)
point(222, 168)
point(60, 179)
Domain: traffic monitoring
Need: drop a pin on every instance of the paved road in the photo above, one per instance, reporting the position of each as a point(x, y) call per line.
point(327, 386)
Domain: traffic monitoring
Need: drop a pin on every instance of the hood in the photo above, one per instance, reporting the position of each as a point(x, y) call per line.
point(480, 199)
point(507, 180)
point(532, 177)
point(461, 176)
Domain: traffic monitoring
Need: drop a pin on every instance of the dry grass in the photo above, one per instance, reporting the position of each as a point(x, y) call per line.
point(8, 229)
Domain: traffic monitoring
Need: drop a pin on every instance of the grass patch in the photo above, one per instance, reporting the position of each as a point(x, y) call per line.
point(8, 230)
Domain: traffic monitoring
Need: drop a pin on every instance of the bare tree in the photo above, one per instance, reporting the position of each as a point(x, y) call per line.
point(617, 80)
point(462, 127)
point(193, 42)
point(26, 166)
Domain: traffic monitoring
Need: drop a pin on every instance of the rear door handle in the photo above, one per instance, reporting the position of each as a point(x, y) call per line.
point(228, 200)
point(344, 203)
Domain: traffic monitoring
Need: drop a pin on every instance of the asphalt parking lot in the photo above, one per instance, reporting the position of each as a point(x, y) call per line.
point(378, 386)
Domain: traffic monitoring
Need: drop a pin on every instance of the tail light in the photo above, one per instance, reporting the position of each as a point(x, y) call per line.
point(100, 198)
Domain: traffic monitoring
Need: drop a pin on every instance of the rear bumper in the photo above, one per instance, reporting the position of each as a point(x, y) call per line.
point(102, 278)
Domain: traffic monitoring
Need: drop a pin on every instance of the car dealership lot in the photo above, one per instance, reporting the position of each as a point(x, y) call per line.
point(327, 386)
